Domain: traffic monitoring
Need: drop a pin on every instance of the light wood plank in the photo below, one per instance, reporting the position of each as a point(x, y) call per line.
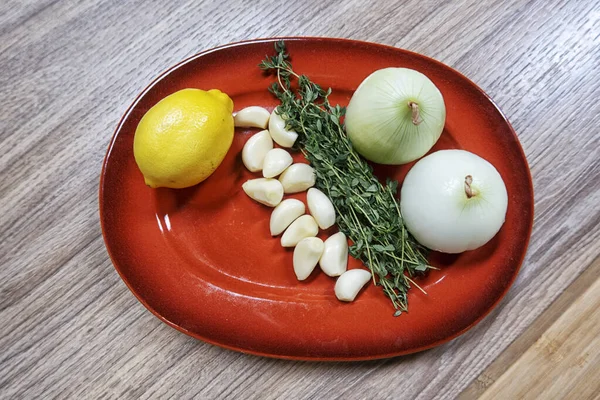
point(528, 338)
point(564, 363)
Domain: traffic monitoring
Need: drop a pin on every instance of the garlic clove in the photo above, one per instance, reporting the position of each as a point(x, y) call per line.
point(297, 178)
point(350, 282)
point(334, 260)
point(275, 162)
point(266, 191)
point(319, 205)
point(255, 149)
point(281, 136)
point(252, 117)
point(306, 256)
point(284, 214)
point(301, 228)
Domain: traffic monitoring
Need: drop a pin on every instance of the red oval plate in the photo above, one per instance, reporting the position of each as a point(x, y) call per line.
point(202, 260)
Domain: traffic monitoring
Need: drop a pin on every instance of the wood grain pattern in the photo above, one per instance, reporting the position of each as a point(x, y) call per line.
point(564, 362)
point(513, 354)
point(68, 70)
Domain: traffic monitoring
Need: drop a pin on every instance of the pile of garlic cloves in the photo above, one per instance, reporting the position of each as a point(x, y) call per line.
point(280, 175)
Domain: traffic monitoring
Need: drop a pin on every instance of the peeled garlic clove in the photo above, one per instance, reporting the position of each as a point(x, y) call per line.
point(252, 117)
point(350, 282)
point(297, 178)
point(255, 149)
point(281, 136)
point(284, 214)
point(306, 256)
point(334, 260)
point(266, 191)
point(303, 227)
point(276, 161)
point(320, 207)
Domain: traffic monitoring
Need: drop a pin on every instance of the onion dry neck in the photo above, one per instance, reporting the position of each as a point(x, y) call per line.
point(415, 112)
point(469, 191)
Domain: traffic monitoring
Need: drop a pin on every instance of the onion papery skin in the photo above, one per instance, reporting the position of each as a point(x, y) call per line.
point(437, 210)
point(379, 119)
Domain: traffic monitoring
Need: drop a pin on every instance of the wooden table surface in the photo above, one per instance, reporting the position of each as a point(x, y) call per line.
point(69, 327)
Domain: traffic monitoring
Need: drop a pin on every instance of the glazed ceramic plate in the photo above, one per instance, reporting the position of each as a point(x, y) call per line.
point(203, 261)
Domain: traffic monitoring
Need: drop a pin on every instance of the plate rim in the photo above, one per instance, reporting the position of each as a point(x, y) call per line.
point(333, 40)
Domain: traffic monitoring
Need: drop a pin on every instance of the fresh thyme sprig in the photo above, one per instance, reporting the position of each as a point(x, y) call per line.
point(367, 211)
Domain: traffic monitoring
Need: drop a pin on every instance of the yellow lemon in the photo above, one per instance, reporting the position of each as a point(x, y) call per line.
point(182, 139)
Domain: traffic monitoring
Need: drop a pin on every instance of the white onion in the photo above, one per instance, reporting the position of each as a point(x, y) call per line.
point(453, 201)
point(395, 116)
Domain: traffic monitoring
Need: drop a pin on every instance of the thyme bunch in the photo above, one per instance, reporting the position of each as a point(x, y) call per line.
point(367, 211)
